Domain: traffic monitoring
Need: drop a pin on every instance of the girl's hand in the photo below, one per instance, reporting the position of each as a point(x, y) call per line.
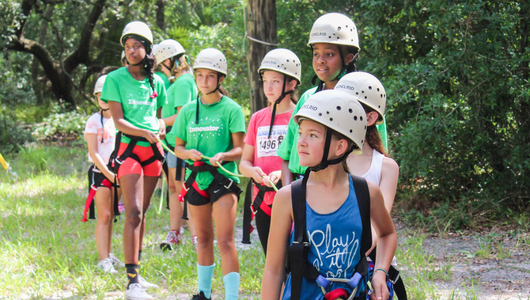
point(162, 130)
point(110, 176)
point(150, 136)
point(379, 286)
point(193, 154)
point(218, 158)
point(274, 176)
point(257, 174)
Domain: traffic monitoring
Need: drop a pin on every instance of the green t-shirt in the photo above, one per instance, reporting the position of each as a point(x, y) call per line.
point(164, 79)
point(135, 98)
point(180, 93)
point(287, 150)
point(213, 133)
point(382, 133)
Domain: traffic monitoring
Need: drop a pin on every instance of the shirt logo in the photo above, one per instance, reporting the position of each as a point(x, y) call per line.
point(206, 128)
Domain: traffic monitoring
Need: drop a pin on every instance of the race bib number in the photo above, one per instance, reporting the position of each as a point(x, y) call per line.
point(268, 146)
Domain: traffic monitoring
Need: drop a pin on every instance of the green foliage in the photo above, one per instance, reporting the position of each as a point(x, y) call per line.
point(61, 124)
point(12, 136)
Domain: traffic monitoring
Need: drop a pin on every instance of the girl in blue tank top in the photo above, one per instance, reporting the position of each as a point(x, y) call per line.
point(332, 124)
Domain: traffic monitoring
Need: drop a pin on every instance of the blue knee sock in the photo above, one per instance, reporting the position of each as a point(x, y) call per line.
point(205, 274)
point(231, 281)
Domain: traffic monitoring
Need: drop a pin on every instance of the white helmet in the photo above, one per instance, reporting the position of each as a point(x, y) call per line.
point(334, 28)
point(366, 88)
point(211, 59)
point(283, 61)
point(98, 88)
point(153, 50)
point(167, 49)
point(137, 28)
point(338, 111)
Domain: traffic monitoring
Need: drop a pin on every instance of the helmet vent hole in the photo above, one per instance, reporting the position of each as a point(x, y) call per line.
point(362, 141)
point(365, 97)
point(351, 131)
point(331, 119)
point(337, 38)
point(364, 127)
point(327, 112)
point(362, 92)
point(339, 28)
point(379, 106)
point(350, 110)
point(370, 88)
point(355, 118)
point(287, 60)
point(320, 114)
point(330, 36)
point(357, 93)
point(338, 108)
point(361, 118)
point(381, 95)
point(378, 89)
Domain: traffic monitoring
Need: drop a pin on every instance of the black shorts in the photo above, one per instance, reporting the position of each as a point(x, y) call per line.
point(215, 191)
point(95, 177)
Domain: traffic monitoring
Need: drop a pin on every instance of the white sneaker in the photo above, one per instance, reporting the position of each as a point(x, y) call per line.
point(115, 261)
point(106, 266)
point(145, 284)
point(137, 292)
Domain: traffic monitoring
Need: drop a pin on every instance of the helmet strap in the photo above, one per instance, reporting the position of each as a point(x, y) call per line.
point(278, 101)
point(217, 87)
point(197, 111)
point(325, 162)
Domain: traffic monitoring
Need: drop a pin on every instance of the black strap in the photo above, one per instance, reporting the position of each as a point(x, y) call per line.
point(220, 178)
point(256, 204)
point(363, 201)
point(300, 246)
point(115, 161)
point(393, 274)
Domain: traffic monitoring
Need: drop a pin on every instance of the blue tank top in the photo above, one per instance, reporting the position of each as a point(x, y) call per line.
point(335, 244)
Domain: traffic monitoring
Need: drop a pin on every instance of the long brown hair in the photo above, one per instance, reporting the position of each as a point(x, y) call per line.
point(182, 66)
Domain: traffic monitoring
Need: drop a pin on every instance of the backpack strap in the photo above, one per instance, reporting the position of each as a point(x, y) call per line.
point(300, 247)
point(363, 201)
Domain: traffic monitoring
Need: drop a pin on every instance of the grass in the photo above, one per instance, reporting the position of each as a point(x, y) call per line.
point(47, 252)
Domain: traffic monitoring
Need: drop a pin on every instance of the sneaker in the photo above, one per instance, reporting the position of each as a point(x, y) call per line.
point(200, 296)
point(115, 261)
point(106, 266)
point(121, 207)
point(144, 284)
point(136, 292)
point(172, 240)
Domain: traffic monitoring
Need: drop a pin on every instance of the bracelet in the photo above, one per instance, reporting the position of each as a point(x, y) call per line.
point(381, 270)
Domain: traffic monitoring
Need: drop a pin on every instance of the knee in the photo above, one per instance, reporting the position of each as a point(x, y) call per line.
point(225, 244)
point(204, 239)
point(172, 189)
point(134, 216)
point(105, 217)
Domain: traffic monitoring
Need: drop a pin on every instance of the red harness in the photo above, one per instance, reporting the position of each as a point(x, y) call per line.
point(91, 196)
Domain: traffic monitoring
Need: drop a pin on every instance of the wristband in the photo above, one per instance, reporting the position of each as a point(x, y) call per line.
point(381, 270)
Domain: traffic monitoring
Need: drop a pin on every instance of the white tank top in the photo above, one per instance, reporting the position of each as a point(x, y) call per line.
point(374, 173)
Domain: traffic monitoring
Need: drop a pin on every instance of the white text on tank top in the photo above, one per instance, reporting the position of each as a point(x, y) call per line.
point(374, 173)
point(268, 146)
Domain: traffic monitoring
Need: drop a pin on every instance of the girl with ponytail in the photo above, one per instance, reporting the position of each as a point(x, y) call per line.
point(135, 97)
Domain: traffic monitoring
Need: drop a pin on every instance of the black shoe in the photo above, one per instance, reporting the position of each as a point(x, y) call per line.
point(200, 296)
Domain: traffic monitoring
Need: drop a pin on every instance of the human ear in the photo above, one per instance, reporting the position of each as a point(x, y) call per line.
point(291, 85)
point(221, 78)
point(371, 118)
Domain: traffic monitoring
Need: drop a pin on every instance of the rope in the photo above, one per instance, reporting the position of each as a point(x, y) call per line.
point(219, 165)
point(259, 41)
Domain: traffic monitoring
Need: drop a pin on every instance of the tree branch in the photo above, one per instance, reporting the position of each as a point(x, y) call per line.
point(81, 54)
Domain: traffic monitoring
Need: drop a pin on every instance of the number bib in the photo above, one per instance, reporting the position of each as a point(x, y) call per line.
point(266, 146)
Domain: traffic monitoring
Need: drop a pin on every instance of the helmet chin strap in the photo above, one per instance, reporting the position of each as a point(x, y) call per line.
point(217, 87)
point(278, 101)
point(325, 162)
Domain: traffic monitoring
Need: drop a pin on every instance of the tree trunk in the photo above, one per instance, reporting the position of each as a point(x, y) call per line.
point(35, 65)
point(160, 18)
point(261, 25)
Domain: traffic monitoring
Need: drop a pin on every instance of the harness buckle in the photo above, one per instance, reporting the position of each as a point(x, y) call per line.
point(185, 187)
point(228, 187)
point(118, 160)
point(254, 211)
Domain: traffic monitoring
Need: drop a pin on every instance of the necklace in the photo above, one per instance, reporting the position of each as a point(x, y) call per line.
point(211, 104)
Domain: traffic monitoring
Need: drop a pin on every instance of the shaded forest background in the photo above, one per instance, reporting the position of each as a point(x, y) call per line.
point(456, 75)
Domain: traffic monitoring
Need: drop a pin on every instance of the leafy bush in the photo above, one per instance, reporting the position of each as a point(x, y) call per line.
point(13, 136)
point(61, 124)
